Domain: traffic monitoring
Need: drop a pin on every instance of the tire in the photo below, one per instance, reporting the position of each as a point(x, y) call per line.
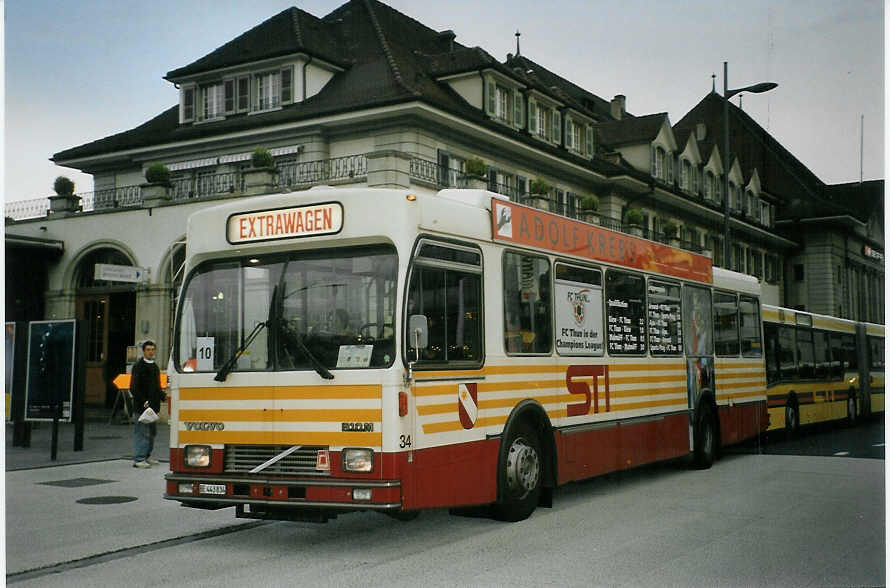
point(705, 438)
point(792, 419)
point(851, 409)
point(520, 476)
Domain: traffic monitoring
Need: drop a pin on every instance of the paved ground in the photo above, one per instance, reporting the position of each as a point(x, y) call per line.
point(101, 441)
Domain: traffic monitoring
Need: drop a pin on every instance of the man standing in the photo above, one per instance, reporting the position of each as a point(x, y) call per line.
point(145, 385)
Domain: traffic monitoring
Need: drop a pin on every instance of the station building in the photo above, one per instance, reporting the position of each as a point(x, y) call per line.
point(367, 96)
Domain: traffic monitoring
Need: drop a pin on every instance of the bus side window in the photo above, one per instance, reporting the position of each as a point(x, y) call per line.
point(452, 302)
point(527, 304)
point(850, 354)
point(806, 365)
point(726, 324)
point(771, 336)
point(749, 312)
point(876, 354)
point(787, 353)
point(837, 357)
point(823, 354)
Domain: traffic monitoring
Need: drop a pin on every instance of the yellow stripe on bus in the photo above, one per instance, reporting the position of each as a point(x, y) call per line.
point(281, 392)
point(282, 415)
point(455, 425)
point(281, 438)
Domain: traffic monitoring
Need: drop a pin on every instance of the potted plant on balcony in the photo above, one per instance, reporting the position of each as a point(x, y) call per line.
point(588, 207)
point(260, 177)
point(474, 173)
point(633, 218)
point(670, 230)
point(65, 201)
point(540, 194)
point(157, 189)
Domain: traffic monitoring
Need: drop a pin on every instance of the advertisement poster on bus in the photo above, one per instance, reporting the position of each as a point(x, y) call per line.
point(50, 375)
point(579, 318)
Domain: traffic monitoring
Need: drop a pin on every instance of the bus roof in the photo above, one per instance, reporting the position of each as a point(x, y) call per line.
point(791, 317)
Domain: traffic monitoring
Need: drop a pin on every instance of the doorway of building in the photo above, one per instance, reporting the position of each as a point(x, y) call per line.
point(109, 311)
point(110, 323)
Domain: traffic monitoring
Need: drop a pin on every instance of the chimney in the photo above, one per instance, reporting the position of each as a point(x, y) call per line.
point(618, 103)
point(448, 36)
point(701, 131)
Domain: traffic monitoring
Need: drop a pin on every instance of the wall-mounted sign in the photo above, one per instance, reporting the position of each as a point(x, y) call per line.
point(869, 252)
point(119, 273)
point(283, 223)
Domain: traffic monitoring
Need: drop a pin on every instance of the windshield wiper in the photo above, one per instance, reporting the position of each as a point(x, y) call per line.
point(319, 367)
point(227, 367)
point(275, 314)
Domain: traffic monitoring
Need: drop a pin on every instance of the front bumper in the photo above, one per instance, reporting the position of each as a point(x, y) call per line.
point(278, 493)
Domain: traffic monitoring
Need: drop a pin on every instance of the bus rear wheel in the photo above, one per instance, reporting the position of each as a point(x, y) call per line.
point(705, 438)
point(792, 419)
point(520, 476)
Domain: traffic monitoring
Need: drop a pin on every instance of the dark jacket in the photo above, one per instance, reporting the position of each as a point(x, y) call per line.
point(145, 384)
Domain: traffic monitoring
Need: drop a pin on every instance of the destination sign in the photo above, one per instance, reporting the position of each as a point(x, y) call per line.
point(284, 223)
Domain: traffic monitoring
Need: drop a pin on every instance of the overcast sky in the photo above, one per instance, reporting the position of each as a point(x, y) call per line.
point(79, 70)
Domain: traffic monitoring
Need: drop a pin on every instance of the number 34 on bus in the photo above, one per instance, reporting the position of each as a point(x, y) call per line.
point(338, 350)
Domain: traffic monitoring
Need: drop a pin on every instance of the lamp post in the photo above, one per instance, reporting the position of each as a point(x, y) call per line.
point(727, 94)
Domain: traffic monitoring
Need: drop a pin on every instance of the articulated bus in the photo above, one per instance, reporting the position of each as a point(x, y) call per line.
point(821, 368)
point(340, 350)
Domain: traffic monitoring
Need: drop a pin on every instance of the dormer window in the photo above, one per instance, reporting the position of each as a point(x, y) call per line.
point(504, 104)
point(579, 137)
point(685, 175)
point(212, 101)
point(187, 104)
point(268, 91)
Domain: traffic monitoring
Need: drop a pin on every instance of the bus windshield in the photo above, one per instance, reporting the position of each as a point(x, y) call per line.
point(300, 310)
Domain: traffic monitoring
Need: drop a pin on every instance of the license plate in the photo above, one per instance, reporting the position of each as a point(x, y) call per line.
point(219, 489)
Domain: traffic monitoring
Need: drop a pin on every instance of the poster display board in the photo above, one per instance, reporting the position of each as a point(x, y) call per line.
point(579, 311)
point(50, 375)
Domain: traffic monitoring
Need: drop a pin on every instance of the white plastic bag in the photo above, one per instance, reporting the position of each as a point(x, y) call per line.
point(148, 416)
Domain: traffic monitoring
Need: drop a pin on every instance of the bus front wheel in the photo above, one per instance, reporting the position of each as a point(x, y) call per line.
point(520, 476)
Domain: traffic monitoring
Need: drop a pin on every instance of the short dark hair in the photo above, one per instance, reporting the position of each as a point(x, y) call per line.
point(147, 343)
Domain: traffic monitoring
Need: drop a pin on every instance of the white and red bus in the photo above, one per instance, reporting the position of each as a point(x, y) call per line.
point(821, 368)
point(351, 349)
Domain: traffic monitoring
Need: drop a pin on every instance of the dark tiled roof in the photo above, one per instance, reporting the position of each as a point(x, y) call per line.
point(387, 58)
point(543, 79)
point(862, 201)
point(638, 129)
point(780, 172)
point(290, 31)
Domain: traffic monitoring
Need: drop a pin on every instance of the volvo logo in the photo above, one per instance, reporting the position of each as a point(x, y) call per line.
point(204, 426)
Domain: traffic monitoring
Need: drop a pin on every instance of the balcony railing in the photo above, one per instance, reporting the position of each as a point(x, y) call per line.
point(121, 197)
point(351, 167)
point(206, 185)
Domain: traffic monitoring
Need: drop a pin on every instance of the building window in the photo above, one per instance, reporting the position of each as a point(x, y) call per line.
point(764, 213)
point(213, 101)
point(268, 91)
point(798, 272)
point(709, 186)
point(658, 171)
point(738, 258)
point(188, 104)
point(229, 96)
point(685, 173)
point(243, 93)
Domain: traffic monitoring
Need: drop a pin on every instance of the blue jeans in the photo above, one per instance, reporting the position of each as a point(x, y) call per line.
point(144, 440)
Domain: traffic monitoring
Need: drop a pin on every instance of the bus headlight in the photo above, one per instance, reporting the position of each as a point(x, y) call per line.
point(357, 459)
point(197, 456)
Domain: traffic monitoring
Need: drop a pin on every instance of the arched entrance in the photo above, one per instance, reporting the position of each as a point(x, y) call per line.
point(109, 309)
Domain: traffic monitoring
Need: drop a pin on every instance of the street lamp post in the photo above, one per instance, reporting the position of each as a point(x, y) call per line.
point(727, 94)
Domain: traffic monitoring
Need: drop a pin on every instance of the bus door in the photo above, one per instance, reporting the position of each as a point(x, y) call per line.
point(862, 353)
point(699, 346)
